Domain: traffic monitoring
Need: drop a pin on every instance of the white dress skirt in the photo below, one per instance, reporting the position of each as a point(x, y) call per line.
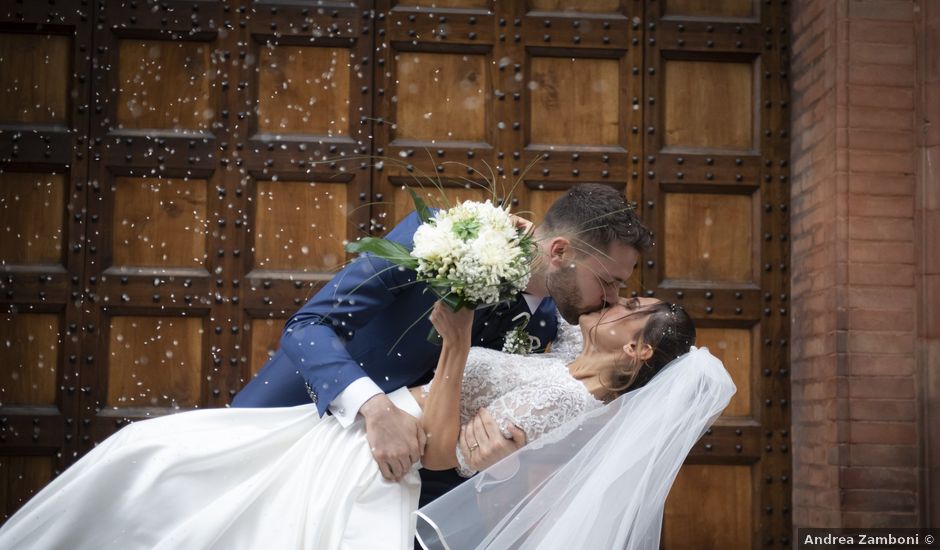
point(278, 478)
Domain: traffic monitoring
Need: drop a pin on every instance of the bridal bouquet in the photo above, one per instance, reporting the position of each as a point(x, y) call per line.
point(470, 255)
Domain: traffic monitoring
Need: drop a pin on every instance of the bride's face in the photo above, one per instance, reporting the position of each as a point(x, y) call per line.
point(612, 328)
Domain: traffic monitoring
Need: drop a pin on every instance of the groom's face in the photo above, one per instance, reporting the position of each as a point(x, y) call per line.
point(587, 281)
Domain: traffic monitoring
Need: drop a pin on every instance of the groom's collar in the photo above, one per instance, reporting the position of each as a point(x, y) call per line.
point(532, 302)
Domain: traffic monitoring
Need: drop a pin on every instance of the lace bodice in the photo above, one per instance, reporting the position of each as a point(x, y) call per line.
point(534, 392)
point(567, 345)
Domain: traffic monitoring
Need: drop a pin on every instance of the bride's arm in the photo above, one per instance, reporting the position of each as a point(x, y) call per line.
point(442, 406)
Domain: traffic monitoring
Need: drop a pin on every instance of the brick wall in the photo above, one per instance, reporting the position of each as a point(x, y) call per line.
point(858, 410)
point(927, 215)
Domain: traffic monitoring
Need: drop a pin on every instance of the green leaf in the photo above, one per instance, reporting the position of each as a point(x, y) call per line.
point(423, 211)
point(446, 295)
point(385, 249)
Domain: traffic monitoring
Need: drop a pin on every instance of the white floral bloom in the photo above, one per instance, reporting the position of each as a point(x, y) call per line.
point(475, 251)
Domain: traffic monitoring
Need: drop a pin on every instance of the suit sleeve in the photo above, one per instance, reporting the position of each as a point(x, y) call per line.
point(315, 336)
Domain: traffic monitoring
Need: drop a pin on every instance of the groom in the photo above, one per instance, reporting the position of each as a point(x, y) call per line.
point(365, 332)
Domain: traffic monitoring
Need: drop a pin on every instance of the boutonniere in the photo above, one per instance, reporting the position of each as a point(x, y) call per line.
point(518, 340)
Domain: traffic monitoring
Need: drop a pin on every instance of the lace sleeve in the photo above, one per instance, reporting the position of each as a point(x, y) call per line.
point(536, 410)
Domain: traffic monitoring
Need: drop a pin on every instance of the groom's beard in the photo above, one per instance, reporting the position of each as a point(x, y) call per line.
point(563, 288)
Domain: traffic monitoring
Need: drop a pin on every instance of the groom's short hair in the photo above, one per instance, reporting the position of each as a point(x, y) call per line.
point(597, 215)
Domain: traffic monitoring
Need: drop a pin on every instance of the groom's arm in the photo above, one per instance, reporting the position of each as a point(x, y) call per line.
point(315, 336)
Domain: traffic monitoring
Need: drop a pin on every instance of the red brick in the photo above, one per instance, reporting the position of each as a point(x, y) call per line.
point(886, 298)
point(881, 229)
point(878, 252)
point(859, 341)
point(882, 10)
point(882, 75)
point(828, 499)
point(881, 140)
point(883, 54)
point(882, 409)
point(878, 501)
point(878, 32)
point(886, 433)
point(882, 455)
point(869, 520)
point(893, 387)
point(885, 207)
point(875, 319)
point(880, 118)
point(881, 184)
point(900, 479)
point(869, 274)
point(880, 365)
point(819, 390)
point(882, 97)
point(881, 162)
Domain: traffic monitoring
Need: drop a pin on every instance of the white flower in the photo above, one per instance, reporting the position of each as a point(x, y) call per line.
point(474, 252)
point(517, 341)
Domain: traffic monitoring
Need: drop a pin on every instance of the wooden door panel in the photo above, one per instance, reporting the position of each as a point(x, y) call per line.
point(441, 97)
point(737, 349)
point(448, 3)
point(709, 237)
point(21, 477)
point(565, 94)
point(299, 226)
point(711, 8)
point(165, 85)
point(160, 223)
point(709, 104)
point(265, 339)
point(34, 218)
point(304, 90)
point(586, 6)
point(29, 353)
point(153, 363)
point(710, 508)
point(35, 78)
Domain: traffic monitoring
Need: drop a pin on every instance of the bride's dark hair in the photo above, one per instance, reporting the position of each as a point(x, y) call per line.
point(670, 332)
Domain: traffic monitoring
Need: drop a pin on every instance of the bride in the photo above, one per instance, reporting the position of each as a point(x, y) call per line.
point(286, 478)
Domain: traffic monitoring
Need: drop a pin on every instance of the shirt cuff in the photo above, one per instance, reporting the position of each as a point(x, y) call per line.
point(346, 406)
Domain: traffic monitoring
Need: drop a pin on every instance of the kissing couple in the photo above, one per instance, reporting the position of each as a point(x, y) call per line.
point(357, 421)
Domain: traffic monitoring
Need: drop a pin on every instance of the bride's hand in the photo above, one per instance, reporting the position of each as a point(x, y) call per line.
point(454, 327)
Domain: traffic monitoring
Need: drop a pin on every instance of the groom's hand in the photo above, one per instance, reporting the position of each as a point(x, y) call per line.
point(482, 444)
point(396, 438)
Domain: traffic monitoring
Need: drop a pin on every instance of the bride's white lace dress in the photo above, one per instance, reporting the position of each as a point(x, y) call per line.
point(271, 478)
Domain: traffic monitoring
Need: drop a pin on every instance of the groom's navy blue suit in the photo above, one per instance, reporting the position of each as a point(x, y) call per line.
point(371, 320)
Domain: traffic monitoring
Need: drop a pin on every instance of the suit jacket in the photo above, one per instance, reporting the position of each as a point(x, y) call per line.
point(371, 320)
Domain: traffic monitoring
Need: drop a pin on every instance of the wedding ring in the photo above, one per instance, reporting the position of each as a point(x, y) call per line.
point(474, 447)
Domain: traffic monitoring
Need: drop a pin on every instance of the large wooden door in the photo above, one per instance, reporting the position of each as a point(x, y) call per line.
point(715, 191)
point(182, 176)
point(43, 185)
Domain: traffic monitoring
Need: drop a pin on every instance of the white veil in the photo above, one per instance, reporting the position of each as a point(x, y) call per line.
point(599, 481)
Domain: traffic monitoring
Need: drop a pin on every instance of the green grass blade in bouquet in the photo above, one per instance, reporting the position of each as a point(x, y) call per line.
point(385, 249)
